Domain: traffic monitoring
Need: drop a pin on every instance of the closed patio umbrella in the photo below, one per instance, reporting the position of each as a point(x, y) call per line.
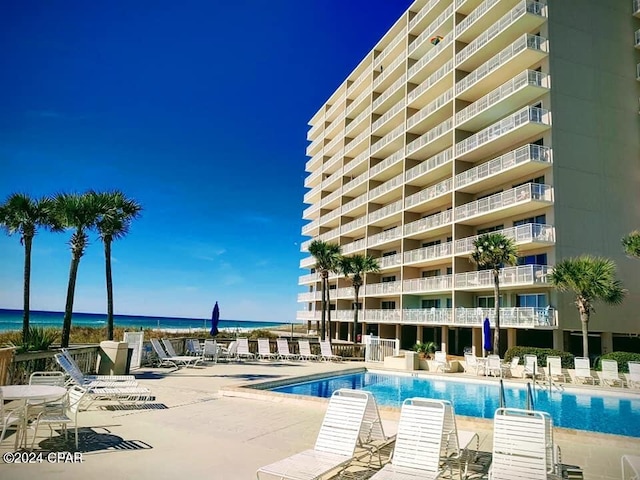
point(215, 318)
point(486, 333)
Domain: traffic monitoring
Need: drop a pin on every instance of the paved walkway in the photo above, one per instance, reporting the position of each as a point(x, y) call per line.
point(194, 431)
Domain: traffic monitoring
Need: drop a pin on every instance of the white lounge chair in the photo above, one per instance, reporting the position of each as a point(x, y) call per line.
point(609, 375)
point(494, 366)
point(326, 352)
point(228, 353)
point(283, 350)
point(305, 350)
point(165, 360)
point(633, 377)
point(193, 347)
point(630, 465)
point(520, 446)
point(243, 349)
point(264, 350)
point(531, 368)
point(554, 369)
point(76, 377)
point(583, 371)
point(210, 350)
point(440, 359)
point(186, 360)
point(472, 365)
point(66, 415)
point(458, 446)
point(335, 445)
point(418, 443)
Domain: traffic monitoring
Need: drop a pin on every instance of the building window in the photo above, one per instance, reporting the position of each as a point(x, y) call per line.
point(495, 228)
point(431, 244)
point(533, 180)
point(537, 219)
point(391, 278)
point(488, 302)
point(487, 195)
point(540, 259)
point(449, 303)
point(388, 254)
point(449, 270)
point(535, 300)
point(388, 305)
point(430, 273)
point(431, 303)
point(332, 287)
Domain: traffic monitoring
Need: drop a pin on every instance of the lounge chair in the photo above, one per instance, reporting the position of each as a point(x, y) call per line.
point(509, 368)
point(243, 349)
point(76, 377)
point(66, 415)
point(521, 446)
point(609, 375)
point(531, 368)
point(440, 359)
point(264, 350)
point(583, 371)
point(305, 350)
point(283, 350)
point(326, 353)
point(164, 360)
point(418, 443)
point(630, 465)
point(335, 445)
point(554, 369)
point(458, 446)
point(633, 377)
point(193, 347)
point(186, 360)
point(494, 366)
point(210, 351)
point(228, 353)
point(472, 364)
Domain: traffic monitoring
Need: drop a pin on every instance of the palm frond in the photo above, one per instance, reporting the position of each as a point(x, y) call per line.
point(631, 244)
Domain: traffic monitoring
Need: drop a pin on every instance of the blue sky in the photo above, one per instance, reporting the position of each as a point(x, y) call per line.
point(196, 109)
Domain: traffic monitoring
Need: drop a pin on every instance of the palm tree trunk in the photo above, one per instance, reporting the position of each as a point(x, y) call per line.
point(107, 268)
point(324, 308)
point(356, 291)
point(27, 288)
point(68, 309)
point(496, 294)
point(584, 320)
point(328, 311)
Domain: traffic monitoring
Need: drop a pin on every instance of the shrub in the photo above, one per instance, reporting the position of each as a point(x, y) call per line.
point(427, 348)
point(566, 358)
point(262, 333)
point(38, 339)
point(623, 359)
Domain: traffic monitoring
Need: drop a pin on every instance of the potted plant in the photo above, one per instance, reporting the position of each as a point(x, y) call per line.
point(425, 349)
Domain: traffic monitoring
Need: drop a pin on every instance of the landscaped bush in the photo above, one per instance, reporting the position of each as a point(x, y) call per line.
point(262, 333)
point(621, 357)
point(566, 359)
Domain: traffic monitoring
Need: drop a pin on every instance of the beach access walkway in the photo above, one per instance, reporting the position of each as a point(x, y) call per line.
point(194, 431)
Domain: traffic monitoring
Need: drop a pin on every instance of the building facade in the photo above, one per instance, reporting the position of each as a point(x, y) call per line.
point(467, 117)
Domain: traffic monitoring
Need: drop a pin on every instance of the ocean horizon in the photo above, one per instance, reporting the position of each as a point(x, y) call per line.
point(11, 320)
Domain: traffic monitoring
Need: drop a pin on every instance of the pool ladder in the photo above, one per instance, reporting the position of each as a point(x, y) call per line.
point(530, 401)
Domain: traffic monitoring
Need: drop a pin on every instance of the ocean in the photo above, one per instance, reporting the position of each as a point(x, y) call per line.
point(12, 320)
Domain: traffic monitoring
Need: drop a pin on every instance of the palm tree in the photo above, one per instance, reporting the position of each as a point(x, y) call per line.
point(327, 256)
point(114, 220)
point(79, 212)
point(24, 215)
point(631, 244)
point(493, 251)
point(591, 279)
point(356, 266)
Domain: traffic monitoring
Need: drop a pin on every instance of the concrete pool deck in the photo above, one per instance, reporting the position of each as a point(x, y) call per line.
point(201, 424)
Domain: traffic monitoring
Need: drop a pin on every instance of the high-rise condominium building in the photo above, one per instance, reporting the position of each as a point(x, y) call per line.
point(470, 116)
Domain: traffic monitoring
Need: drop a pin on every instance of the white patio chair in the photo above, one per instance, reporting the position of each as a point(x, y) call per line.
point(68, 415)
point(13, 417)
point(583, 371)
point(228, 353)
point(458, 446)
point(210, 350)
point(326, 352)
point(186, 360)
point(494, 366)
point(243, 349)
point(335, 445)
point(193, 347)
point(165, 360)
point(609, 375)
point(283, 350)
point(76, 377)
point(509, 368)
point(633, 377)
point(56, 379)
point(531, 368)
point(554, 369)
point(472, 365)
point(305, 350)
point(440, 359)
point(264, 350)
point(416, 454)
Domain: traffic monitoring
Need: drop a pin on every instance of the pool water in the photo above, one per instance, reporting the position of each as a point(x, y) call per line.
point(606, 412)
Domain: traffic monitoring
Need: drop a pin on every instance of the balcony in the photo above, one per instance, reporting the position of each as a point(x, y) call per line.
point(389, 143)
point(516, 128)
point(435, 112)
point(387, 191)
point(518, 91)
point(427, 198)
point(381, 316)
point(392, 94)
point(354, 246)
point(376, 218)
point(431, 142)
point(434, 86)
point(421, 44)
point(427, 316)
point(525, 160)
point(390, 261)
point(390, 72)
point(426, 15)
point(384, 288)
point(355, 107)
point(357, 165)
point(636, 8)
point(376, 127)
point(528, 236)
point(310, 228)
point(386, 52)
point(436, 223)
point(358, 144)
point(309, 296)
point(307, 262)
point(521, 54)
point(422, 257)
point(518, 200)
point(510, 317)
point(428, 284)
point(313, 163)
point(354, 225)
point(427, 171)
point(432, 60)
point(358, 121)
point(306, 279)
point(357, 86)
point(510, 277)
point(390, 166)
point(382, 238)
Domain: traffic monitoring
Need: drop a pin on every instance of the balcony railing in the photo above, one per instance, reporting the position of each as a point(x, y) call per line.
point(428, 223)
point(510, 123)
point(312, 277)
point(388, 70)
point(526, 78)
point(530, 232)
point(359, 80)
point(360, 158)
point(390, 260)
point(431, 164)
point(389, 91)
point(522, 193)
point(384, 118)
point(526, 153)
point(431, 29)
point(354, 246)
point(385, 211)
point(430, 81)
point(431, 54)
point(357, 101)
point(383, 288)
point(423, 11)
point(387, 162)
point(428, 316)
point(389, 137)
point(383, 237)
point(510, 276)
point(475, 15)
point(309, 227)
point(430, 136)
point(362, 115)
point(429, 253)
point(396, 40)
point(524, 7)
point(427, 284)
point(510, 317)
point(381, 316)
point(353, 225)
point(430, 108)
point(429, 193)
point(309, 296)
point(335, 105)
point(312, 178)
point(526, 41)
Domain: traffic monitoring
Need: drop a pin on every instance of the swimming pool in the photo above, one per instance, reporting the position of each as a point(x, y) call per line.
point(605, 412)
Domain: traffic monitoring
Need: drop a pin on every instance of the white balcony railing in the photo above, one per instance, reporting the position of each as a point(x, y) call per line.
point(429, 193)
point(353, 225)
point(428, 316)
point(475, 15)
point(431, 54)
point(396, 40)
point(383, 288)
point(388, 70)
point(431, 29)
point(526, 78)
point(423, 11)
point(427, 284)
point(526, 41)
point(514, 317)
point(360, 179)
point(389, 137)
point(431, 107)
point(384, 118)
point(359, 98)
point(389, 91)
point(524, 154)
point(362, 115)
point(309, 296)
point(431, 164)
point(510, 276)
point(360, 158)
point(512, 122)
point(381, 316)
point(530, 232)
point(385, 211)
point(312, 277)
point(522, 193)
point(354, 246)
point(430, 81)
point(429, 253)
point(386, 187)
point(428, 223)
point(430, 136)
point(359, 80)
point(309, 227)
point(383, 237)
point(387, 162)
point(389, 261)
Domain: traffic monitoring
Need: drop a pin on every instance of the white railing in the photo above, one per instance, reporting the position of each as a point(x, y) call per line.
point(304, 246)
point(423, 11)
point(359, 80)
point(377, 348)
point(384, 118)
point(512, 122)
point(313, 130)
point(390, 260)
point(386, 187)
point(356, 202)
point(388, 70)
point(521, 275)
point(430, 136)
point(479, 11)
point(331, 215)
point(385, 211)
point(430, 81)
point(355, 182)
point(313, 145)
point(344, 292)
point(336, 104)
point(337, 157)
point(361, 157)
point(526, 41)
point(522, 193)
point(427, 284)
point(428, 316)
point(309, 210)
point(524, 7)
point(309, 296)
point(354, 246)
point(362, 115)
point(357, 101)
point(389, 137)
point(310, 226)
point(526, 78)
point(430, 108)
point(427, 223)
point(387, 162)
point(312, 277)
point(530, 232)
point(354, 224)
point(429, 193)
point(431, 29)
point(431, 54)
point(317, 157)
point(331, 178)
point(429, 253)
point(515, 317)
point(359, 138)
point(432, 163)
point(396, 40)
point(383, 237)
point(384, 288)
point(526, 153)
point(389, 91)
point(307, 315)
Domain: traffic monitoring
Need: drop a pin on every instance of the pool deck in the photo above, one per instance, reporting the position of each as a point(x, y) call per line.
point(203, 425)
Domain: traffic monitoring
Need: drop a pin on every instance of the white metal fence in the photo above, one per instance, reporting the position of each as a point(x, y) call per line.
point(377, 348)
